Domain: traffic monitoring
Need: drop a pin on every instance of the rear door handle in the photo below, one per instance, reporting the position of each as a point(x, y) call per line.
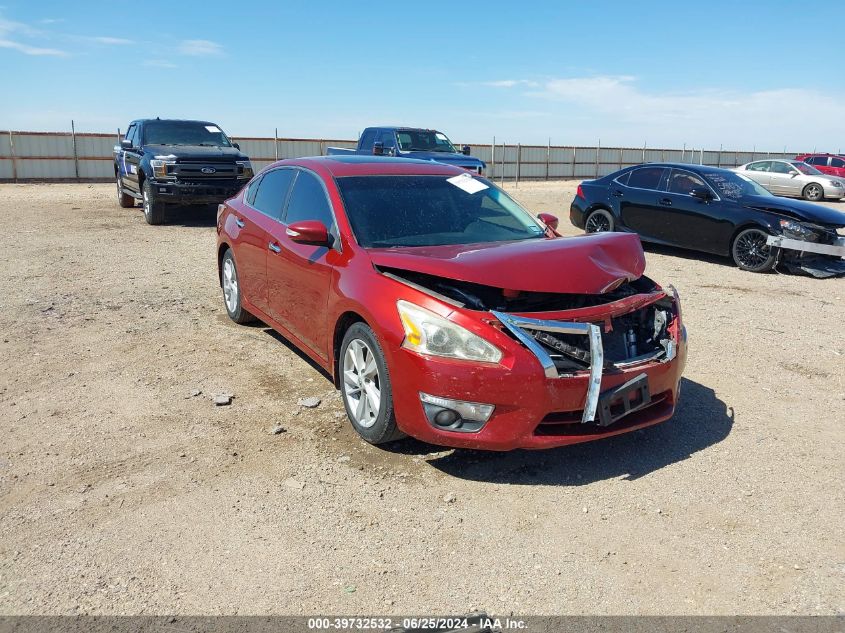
point(666, 202)
point(274, 247)
point(616, 193)
point(240, 223)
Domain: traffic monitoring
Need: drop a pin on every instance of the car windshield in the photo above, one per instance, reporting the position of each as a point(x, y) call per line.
point(804, 168)
point(184, 133)
point(733, 185)
point(424, 141)
point(388, 211)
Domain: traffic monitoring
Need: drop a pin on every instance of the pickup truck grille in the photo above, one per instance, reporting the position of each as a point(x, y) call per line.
point(204, 171)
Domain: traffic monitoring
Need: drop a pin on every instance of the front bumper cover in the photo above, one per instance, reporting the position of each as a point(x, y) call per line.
point(837, 249)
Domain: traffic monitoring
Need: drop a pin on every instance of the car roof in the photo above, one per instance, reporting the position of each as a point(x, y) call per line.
point(174, 121)
point(339, 166)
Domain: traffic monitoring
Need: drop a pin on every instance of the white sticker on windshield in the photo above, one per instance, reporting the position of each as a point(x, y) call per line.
point(212, 128)
point(467, 183)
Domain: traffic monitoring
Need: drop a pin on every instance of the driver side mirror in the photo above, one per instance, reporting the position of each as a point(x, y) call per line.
point(700, 193)
point(236, 145)
point(126, 144)
point(378, 148)
point(311, 232)
point(549, 220)
point(465, 150)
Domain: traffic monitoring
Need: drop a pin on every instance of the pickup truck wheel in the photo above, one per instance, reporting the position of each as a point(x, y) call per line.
point(153, 208)
point(124, 200)
point(365, 386)
point(232, 290)
point(750, 251)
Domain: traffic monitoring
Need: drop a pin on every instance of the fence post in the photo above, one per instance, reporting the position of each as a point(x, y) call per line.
point(720, 156)
point(548, 156)
point(620, 158)
point(644, 144)
point(701, 156)
point(75, 154)
point(598, 149)
point(574, 151)
point(14, 159)
point(518, 161)
point(504, 159)
point(276, 142)
point(493, 159)
point(684, 153)
point(321, 147)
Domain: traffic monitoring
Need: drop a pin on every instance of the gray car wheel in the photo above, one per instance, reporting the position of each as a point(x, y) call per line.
point(599, 221)
point(813, 192)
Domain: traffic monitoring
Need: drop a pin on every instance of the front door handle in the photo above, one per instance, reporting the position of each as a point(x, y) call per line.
point(666, 202)
point(616, 193)
point(274, 247)
point(241, 224)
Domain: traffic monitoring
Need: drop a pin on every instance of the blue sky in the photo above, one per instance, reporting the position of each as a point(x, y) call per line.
point(740, 74)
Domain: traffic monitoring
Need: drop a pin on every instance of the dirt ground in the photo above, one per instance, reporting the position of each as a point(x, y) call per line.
point(125, 491)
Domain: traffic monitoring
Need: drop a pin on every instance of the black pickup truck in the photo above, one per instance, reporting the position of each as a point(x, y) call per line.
point(167, 161)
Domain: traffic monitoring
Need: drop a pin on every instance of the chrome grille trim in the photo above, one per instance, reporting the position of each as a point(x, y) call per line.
point(516, 325)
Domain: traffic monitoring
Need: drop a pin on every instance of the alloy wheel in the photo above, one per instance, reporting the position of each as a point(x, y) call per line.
point(361, 383)
point(597, 223)
point(814, 192)
point(751, 249)
point(230, 286)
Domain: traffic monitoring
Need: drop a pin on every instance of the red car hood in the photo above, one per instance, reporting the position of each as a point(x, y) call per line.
point(588, 264)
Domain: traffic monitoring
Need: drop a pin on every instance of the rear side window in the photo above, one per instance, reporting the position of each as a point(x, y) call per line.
point(837, 162)
point(252, 190)
point(367, 139)
point(272, 191)
point(646, 177)
point(308, 201)
point(762, 165)
point(623, 179)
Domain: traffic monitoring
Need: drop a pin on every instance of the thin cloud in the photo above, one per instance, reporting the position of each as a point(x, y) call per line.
point(511, 83)
point(11, 28)
point(159, 63)
point(200, 48)
point(26, 49)
point(111, 41)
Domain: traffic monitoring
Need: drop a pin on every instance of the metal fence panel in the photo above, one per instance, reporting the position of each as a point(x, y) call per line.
point(6, 171)
point(37, 145)
point(45, 168)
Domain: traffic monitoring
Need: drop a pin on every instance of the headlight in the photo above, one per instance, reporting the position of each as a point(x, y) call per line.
point(836, 183)
point(797, 230)
point(160, 168)
point(428, 333)
point(246, 169)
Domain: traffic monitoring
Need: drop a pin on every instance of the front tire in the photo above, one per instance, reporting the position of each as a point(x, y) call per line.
point(750, 251)
point(153, 207)
point(813, 192)
point(599, 221)
point(365, 386)
point(124, 200)
point(230, 283)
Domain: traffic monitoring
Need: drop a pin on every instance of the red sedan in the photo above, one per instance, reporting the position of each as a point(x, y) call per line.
point(443, 310)
point(831, 164)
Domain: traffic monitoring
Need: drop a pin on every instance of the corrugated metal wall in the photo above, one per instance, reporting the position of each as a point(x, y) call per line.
point(51, 156)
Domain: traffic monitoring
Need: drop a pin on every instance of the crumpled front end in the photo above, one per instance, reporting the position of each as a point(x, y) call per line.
point(810, 249)
point(576, 367)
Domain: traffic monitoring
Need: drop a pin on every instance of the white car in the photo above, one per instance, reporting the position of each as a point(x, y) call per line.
point(794, 178)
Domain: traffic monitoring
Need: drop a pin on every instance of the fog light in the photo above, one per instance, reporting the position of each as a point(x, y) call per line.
point(455, 415)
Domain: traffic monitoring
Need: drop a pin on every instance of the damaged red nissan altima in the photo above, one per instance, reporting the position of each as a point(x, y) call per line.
point(443, 310)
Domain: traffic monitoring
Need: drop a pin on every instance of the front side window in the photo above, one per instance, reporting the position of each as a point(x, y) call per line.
point(818, 160)
point(388, 139)
point(683, 182)
point(184, 133)
point(781, 168)
point(272, 192)
point(308, 201)
point(131, 134)
point(424, 141)
point(390, 211)
point(804, 168)
point(367, 139)
point(646, 177)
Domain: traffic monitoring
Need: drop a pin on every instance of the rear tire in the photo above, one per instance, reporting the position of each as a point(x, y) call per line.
point(153, 208)
point(365, 386)
point(813, 192)
point(599, 221)
point(230, 283)
point(124, 200)
point(750, 251)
